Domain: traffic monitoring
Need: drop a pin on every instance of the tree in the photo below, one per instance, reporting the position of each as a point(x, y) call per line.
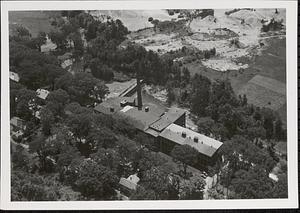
point(26, 104)
point(156, 180)
point(278, 131)
point(20, 158)
point(58, 38)
point(39, 40)
point(200, 95)
point(83, 88)
point(47, 120)
point(143, 194)
point(254, 184)
point(35, 69)
point(186, 155)
point(57, 100)
point(192, 189)
point(96, 181)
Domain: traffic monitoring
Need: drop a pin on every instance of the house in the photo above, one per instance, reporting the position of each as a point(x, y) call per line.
point(129, 185)
point(17, 123)
point(17, 127)
point(48, 46)
point(14, 76)
point(42, 93)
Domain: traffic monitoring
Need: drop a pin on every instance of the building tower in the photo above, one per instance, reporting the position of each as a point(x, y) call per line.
point(138, 87)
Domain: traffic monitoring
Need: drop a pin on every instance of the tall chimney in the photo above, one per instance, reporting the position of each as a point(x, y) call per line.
point(138, 88)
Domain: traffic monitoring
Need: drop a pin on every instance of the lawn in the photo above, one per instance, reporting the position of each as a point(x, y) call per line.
point(34, 21)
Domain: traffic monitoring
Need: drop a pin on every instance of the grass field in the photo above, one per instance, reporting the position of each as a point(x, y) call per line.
point(271, 63)
point(34, 21)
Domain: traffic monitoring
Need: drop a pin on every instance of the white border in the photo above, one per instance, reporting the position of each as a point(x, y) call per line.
point(291, 38)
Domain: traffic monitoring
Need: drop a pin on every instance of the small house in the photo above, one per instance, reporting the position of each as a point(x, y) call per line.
point(42, 93)
point(14, 76)
point(129, 185)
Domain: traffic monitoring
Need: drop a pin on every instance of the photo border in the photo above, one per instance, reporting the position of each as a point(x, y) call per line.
point(292, 110)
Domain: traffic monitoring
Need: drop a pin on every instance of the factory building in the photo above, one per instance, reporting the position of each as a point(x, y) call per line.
point(167, 126)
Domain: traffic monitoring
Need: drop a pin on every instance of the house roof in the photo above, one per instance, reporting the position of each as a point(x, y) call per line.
point(14, 76)
point(134, 178)
point(205, 145)
point(168, 118)
point(18, 122)
point(42, 93)
point(128, 183)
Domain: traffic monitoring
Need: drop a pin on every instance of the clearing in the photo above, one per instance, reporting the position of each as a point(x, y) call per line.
point(34, 21)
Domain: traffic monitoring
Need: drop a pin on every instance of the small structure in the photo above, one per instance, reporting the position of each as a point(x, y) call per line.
point(14, 76)
point(42, 93)
point(129, 185)
point(273, 177)
point(48, 46)
point(17, 127)
point(17, 123)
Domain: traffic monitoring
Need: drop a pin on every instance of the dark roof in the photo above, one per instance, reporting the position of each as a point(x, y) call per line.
point(105, 106)
point(152, 132)
point(168, 118)
point(142, 119)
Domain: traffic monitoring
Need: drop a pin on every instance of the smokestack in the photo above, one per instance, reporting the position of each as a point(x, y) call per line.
point(138, 88)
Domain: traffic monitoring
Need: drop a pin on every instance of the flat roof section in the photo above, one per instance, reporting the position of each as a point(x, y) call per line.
point(105, 107)
point(142, 119)
point(168, 118)
point(191, 134)
point(177, 137)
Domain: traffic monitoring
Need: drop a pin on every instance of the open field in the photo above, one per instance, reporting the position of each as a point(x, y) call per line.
point(265, 92)
point(34, 21)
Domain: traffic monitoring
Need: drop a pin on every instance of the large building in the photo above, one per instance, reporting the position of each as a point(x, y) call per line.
point(167, 126)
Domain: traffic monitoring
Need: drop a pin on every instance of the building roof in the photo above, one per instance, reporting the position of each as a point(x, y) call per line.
point(14, 76)
point(152, 132)
point(18, 122)
point(205, 145)
point(114, 103)
point(42, 93)
point(142, 119)
point(130, 182)
point(168, 118)
point(134, 178)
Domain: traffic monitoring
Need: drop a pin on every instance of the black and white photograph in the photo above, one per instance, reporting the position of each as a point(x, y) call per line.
point(159, 104)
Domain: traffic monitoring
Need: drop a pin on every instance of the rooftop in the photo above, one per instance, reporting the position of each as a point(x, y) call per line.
point(112, 103)
point(14, 76)
point(42, 93)
point(141, 118)
point(168, 118)
point(130, 182)
point(18, 122)
point(205, 145)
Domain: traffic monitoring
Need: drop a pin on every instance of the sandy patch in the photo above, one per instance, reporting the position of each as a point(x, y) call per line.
point(223, 64)
point(116, 88)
